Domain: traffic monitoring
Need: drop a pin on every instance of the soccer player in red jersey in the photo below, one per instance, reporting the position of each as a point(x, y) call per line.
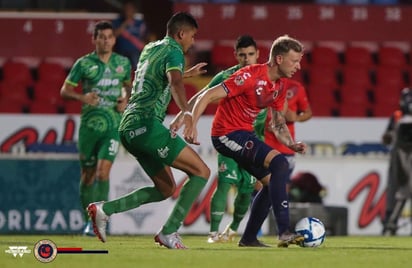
point(299, 110)
point(241, 97)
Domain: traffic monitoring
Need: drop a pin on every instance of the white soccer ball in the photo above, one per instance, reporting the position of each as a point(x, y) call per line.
point(312, 230)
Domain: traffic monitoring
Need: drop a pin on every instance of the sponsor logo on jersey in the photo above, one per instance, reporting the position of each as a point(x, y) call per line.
point(108, 82)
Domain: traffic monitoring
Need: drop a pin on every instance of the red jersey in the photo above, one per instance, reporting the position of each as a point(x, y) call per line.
point(249, 91)
point(297, 101)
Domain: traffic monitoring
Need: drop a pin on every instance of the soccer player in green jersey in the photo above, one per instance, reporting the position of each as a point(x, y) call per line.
point(159, 76)
point(105, 79)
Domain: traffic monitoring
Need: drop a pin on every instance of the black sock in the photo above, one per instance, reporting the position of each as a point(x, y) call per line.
point(258, 213)
point(277, 191)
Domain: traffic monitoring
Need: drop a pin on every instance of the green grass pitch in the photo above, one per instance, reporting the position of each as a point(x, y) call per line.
point(141, 251)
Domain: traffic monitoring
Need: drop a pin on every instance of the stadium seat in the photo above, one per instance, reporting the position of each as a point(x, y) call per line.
point(9, 90)
point(389, 76)
point(222, 56)
point(324, 56)
point(12, 106)
point(358, 56)
point(319, 76)
point(322, 100)
point(44, 90)
point(17, 73)
point(352, 95)
point(346, 110)
point(356, 76)
point(391, 56)
point(384, 109)
point(43, 107)
point(72, 107)
point(52, 73)
point(326, 109)
point(384, 94)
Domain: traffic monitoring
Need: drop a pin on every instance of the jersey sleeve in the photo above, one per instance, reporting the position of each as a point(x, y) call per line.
point(175, 61)
point(75, 74)
point(238, 83)
point(217, 79)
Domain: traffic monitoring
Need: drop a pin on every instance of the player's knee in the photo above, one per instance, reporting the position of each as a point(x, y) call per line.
point(279, 163)
point(204, 172)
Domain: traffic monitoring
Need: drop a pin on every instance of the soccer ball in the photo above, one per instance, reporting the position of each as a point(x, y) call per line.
point(312, 230)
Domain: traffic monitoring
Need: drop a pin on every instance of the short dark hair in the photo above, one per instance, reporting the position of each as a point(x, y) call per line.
point(179, 20)
point(283, 45)
point(245, 41)
point(101, 25)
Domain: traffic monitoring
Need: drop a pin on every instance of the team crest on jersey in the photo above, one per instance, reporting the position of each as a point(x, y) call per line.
point(119, 69)
point(239, 80)
point(291, 92)
point(222, 167)
point(163, 152)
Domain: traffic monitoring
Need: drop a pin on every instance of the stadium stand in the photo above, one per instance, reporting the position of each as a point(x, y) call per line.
point(358, 56)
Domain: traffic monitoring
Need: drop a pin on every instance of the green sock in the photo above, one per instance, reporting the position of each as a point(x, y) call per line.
point(86, 197)
point(242, 203)
point(133, 200)
point(102, 190)
point(188, 195)
point(218, 205)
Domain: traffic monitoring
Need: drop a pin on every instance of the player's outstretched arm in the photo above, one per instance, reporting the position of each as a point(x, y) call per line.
point(213, 94)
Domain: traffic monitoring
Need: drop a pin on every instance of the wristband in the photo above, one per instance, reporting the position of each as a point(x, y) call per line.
point(187, 113)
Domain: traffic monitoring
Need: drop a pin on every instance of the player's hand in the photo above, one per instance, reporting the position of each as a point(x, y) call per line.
point(121, 104)
point(91, 98)
point(299, 147)
point(196, 70)
point(190, 131)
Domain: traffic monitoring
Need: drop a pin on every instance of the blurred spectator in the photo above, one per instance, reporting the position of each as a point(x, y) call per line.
point(131, 32)
point(305, 187)
point(399, 188)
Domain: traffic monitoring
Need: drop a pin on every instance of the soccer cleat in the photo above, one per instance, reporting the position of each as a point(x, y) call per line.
point(255, 244)
point(288, 238)
point(99, 219)
point(213, 237)
point(228, 235)
point(88, 229)
point(171, 241)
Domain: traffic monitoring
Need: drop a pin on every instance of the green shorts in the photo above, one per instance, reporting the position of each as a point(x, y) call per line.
point(152, 144)
point(94, 145)
point(230, 172)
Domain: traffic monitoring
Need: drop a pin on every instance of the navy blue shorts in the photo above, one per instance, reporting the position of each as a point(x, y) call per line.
point(246, 149)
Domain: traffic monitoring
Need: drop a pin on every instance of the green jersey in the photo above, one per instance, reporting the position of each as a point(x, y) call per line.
point(107, 81)
point(222, 76)
point(151, 90)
